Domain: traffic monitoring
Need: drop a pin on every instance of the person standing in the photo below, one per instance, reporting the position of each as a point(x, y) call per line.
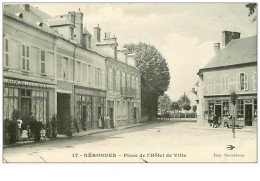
point(102, 121)
point(19, 124)
point(107, 120)
point(54, 126)
point(99, 122)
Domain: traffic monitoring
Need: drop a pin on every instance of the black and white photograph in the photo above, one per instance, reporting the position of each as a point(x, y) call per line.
point(129, 82)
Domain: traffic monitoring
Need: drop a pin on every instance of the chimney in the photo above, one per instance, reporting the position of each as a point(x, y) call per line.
point(27, 7)
point(97, 32)
point(79, 28)
point(216, 47)
point(227, 36)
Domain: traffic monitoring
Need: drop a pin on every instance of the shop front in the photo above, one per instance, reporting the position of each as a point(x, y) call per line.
point(245, 110)
point(89, 106)
point(28, 98)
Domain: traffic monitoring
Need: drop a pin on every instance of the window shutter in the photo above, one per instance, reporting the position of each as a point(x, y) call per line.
point(246, 81)
point(238, 82)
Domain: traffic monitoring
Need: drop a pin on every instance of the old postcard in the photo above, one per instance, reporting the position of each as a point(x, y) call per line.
point(129, 82)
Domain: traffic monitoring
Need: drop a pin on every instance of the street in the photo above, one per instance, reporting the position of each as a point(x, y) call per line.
point(171, 141)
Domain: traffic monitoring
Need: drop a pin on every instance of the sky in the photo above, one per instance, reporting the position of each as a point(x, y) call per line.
point(184, 33)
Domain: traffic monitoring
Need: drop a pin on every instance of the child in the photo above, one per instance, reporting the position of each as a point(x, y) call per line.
point(43, 134)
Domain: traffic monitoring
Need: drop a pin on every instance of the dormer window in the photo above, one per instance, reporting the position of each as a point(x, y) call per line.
point(39, 24)
point(20, 15)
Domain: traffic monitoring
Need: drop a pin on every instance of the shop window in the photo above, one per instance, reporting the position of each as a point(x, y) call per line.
point(211, 109)
point(6, 53)
point(10, 102)
point(255, 108)
point(39, 105)
point(225, 108)
point(25, 58)
point(240, 109)
point(242, 81)
point(43, 61)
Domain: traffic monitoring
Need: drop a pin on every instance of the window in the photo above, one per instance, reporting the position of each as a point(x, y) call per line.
point(25, 58)
point(225, 83)
point(240, 109)
point(137, 85)
point(128, 81)
point(6, 53)
point(89, 74)
point(117, 81)
point(211, 84)
point(255, 108)
point(78, 72)
point(255, 81)
point(118, 109)
point(65, 68)
point(43, 62)
point(110, 77)
point(225, 108)
point(242, 81)
point(10, 102)
point(211, 109)
point(99, 77)
point(39, 105)
point(96, 76)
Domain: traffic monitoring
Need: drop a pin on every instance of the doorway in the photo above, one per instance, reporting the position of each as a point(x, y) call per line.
point(84, 118)
point(25, 107)
point(135, 114)
point(63, 113)
point(111, 117)
point(248, 115)
point(218, 111)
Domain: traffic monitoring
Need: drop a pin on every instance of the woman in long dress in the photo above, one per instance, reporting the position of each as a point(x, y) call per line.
point(99, 122)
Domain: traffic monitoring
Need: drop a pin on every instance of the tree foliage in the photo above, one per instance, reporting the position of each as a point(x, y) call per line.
point(175, 106)
point(194, 108)
point(155, 76)
point(186, 107)
point(233, 98)
point(252, 10)
point(184, 100)
point(164, 103)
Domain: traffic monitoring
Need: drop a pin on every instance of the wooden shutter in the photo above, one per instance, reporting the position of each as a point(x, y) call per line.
point(238, 82)
point(246, 81)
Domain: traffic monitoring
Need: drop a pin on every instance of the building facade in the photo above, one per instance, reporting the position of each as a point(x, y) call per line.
point(52, 66)
point(233, 69)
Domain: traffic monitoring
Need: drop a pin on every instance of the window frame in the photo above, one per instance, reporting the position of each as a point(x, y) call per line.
point(26, 57)
point(6, 53)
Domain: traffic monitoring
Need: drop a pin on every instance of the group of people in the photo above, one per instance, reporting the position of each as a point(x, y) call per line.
point(28, 128)
point(104, 122)
point(216, 122)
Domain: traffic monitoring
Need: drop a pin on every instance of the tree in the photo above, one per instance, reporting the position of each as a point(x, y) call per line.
point(184, 100)
point(252, 10)
point(155, 76)
point(194, 108)
point(175, 106)
point(233, 98)
point(164, 102)
point(187, 107)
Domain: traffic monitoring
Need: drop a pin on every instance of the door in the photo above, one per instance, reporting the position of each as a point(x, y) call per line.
point(248, 115)
point(63, 113)
point(25, 107)
point(84, 117)
point(111, 117)
point(135, 114)
point(218, 111)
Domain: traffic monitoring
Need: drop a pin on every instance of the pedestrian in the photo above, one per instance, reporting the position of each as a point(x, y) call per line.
point(54, 126)
point(19, 130)
point(107, 120)
point(43, 134)
point(215, 121)
point(111, 123)
point(49, 129)
point(102, 121)
point(99, 122)
point(76, 125)
point(6, 131)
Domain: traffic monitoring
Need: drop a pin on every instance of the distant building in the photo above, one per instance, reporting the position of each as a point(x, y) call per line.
point(52, 65)
point(232, 69)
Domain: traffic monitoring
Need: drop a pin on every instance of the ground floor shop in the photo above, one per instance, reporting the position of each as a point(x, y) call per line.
point(29, 98)
point(245, 110)
point(123, 111)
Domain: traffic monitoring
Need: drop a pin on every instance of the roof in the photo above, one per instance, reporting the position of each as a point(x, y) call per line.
point(237, 52)
point(32, 17)
point(59, 21)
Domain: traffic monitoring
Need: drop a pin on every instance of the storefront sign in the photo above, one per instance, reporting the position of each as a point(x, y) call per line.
point(25, 83)
point(62, 85)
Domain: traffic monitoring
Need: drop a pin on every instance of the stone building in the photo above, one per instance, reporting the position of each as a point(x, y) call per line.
point(52, 65)
point(233, 69)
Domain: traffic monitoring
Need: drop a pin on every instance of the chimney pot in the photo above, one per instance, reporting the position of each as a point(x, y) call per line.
point(216, 47)
point(27, 7)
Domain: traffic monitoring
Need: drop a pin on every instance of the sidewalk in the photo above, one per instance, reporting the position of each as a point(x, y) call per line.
point(207, 127)
point(82, 133)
